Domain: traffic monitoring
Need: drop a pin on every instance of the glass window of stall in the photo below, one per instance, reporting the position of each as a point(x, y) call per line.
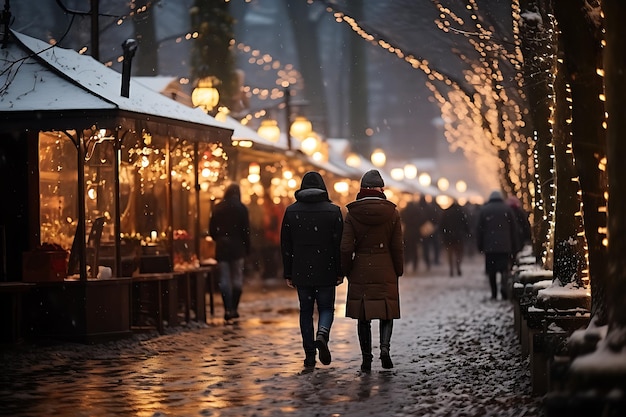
point(58, 187)
point(184, 207)
point(144, 224)
point(58, 179)
point(212, 173)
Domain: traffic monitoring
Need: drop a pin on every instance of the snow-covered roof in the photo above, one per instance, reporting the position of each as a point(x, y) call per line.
point(36, 76)
point(169, 86)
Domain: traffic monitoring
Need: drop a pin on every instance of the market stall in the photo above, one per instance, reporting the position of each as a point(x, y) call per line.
point(109, 190)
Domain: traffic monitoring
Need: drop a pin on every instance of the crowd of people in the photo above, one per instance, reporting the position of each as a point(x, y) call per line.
point(314, 245)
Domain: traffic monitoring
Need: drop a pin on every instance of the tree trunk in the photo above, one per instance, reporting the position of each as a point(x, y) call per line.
point(615, 88)
point(310, 62)
point(569, 248)
point(582, 52)
point(211, 54)
point(536, 43)
point(359, 96)
point(146, 60)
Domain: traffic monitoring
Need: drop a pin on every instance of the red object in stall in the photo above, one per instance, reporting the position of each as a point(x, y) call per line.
point(44, 266)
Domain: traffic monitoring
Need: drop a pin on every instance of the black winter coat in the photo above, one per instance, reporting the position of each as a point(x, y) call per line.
point(454, 226)
point(230, 228)
point(310, 237)
point(496, 228)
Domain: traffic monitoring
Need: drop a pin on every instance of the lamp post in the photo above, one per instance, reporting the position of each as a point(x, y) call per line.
point(288, 116)
point(299, 128)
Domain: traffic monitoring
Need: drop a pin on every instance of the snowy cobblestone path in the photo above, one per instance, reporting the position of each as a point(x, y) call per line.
point(454, 350)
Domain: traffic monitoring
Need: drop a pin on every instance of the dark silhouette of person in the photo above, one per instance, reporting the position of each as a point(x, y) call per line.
point(310, 236)
point(429, 222)
point(523, 225)
point(410, 216)
point(454, 229)
point(497, 239)
point(229, 227)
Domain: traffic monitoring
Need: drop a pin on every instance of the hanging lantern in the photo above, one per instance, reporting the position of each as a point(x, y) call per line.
point(310, 144)
point(424, 179)
point(378, 158)
point(410, 171)
point(397, 174)
point(300, 128)
point(269, 130)
point(353, 160)
point(443, 184)
point(205, 95)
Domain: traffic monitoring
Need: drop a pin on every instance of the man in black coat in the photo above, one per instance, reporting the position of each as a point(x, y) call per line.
point(497, 239)
point(310, 239)
point(454, 229)
point(229, 227)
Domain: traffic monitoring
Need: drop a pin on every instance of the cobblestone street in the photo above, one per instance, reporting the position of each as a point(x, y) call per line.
point(455, 354)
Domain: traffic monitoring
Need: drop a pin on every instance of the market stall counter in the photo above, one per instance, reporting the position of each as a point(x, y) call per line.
point(11, 294)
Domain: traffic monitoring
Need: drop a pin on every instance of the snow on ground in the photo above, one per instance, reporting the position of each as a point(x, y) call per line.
point(455, 353)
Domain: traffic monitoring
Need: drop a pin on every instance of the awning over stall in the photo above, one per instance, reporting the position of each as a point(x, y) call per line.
point(47, 87)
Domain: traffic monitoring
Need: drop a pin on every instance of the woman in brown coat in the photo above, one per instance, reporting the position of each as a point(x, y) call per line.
point(372, 257)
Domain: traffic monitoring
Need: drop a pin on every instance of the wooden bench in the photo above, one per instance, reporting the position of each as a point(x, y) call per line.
point(155, 295)
point(209, 271)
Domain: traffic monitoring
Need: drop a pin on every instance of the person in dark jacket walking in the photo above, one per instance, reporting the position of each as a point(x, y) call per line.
point(454, 229)
point(310, 236)
point(497, 239)
point(372, 257)
point(523, 225)
point(411, 220)
point(229, 227)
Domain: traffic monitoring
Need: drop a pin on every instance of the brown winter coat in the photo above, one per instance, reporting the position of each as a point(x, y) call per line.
point(372, 257)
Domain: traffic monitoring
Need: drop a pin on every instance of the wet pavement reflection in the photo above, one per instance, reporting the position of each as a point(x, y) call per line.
point(454, 350)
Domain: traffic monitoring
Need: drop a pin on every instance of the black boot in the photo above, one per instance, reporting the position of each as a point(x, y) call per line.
point(364, 330)
point(321, 343)
point(309, 360)
point(228, 306)
point(236, 298)
point(386, 328)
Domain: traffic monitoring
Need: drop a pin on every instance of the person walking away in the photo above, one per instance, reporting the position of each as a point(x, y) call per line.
point(372, 258)
point(310, 236)
point(410, 216)
point(271, 245)
point(254, 261)
point(523, 224)
point(497, 239)
point(428, 229)
point(454, 229)
point(229, 227)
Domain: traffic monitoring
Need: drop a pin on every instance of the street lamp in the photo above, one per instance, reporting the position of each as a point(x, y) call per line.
point(299, 128)
point(424, 179)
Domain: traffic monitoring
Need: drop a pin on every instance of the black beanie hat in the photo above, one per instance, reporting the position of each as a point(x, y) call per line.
point(312, 179)
point(372, 179)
